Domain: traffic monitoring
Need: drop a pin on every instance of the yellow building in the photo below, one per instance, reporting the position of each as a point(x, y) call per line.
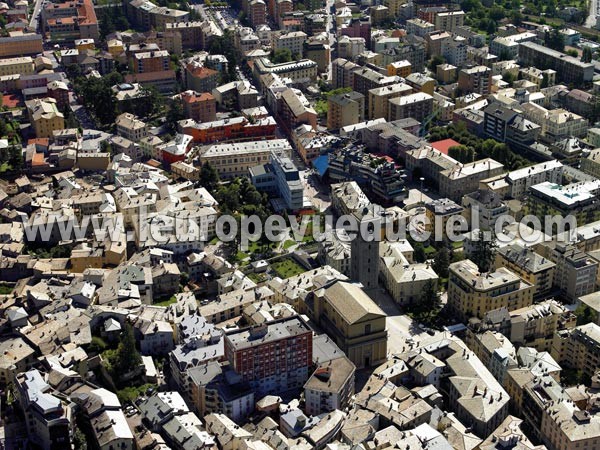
point(18, 43)
point(401, 68)
point(353, 320)
point(421, 83)
point(378, 99)
point(530, 266)
point(394, 6)
point(439, 212)
point(11, 66)
point(44, 116)
point(471, 293)
point(446, 73)
point(115, 47)
point(345, 109)
point(84, 44)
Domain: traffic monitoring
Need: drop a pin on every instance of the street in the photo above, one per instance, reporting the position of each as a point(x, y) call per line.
point(400, 326)
point(37, 8)
point(590, 22)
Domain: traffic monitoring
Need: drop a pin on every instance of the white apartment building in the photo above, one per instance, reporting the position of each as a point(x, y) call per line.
point(293, 41)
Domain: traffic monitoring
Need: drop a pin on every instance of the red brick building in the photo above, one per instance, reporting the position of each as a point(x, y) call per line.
point(202, 107)
point(273, 357)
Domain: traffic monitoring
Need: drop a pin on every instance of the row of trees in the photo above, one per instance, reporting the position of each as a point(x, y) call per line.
point(224, 45)
point(476, 148)
point(100, 100)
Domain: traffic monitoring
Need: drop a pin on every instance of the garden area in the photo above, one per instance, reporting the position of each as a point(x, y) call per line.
point(287, 267)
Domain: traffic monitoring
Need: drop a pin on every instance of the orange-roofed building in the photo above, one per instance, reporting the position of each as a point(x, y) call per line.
point(444, 145)
point(68, 21)
point(200, 78)
point(234, 129)
point(202, 107)
point(38, 162)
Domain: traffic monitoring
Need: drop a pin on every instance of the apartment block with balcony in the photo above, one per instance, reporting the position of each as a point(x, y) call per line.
point(345, 109)
point(529, 265)
point(473, 294)
point(577, 200)
point(535, 325)
point(578, 348)
point(48, 417)
point(575, 273)
point(568, 69)
point(419, 106)
point(487, 205)
point(274, 357)
point(201, 107)
point(378, 99)
point(476, 79)
point(449, 20)
point(330, 387)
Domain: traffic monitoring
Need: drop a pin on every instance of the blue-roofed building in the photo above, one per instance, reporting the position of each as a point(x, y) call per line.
point(48, 418)
point(378, 176)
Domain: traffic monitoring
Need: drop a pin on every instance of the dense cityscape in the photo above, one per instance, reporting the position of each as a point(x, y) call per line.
point(278, 224)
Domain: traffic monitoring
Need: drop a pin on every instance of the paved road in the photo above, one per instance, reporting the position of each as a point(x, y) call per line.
point(330, 18)
point(400, 326)
point(590, 22)
point(37, 8)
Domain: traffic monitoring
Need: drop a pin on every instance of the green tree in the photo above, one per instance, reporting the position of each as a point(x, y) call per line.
point(174, 115)
point(496, 13)
point(79, 439)
point(98, 96)
point(149, 103)
point(127, 358)
point(572, 52)
point(441, 261)
point(555, 40)
point(282, 55)
point(224, 45)
point(15, 157)
point(587, 55)
point(209, 178)
point(509, 77)
point(419, 254)
point(436, 61)
point(585, 315)
point(484, 251)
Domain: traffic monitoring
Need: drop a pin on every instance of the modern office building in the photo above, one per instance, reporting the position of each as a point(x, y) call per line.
point(280, 177)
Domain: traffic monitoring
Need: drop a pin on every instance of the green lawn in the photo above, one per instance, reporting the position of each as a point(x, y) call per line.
point(5, 290)
point(240, 256)
point(287, 244)
point(161, 301)
point(287, 268)
point(430, 250)
point(257, 277)
point(129, 394)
